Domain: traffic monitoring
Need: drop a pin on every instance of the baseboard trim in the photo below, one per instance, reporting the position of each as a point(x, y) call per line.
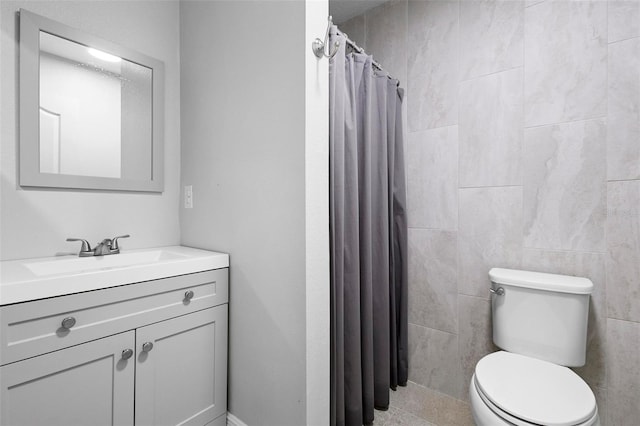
point(234, 421)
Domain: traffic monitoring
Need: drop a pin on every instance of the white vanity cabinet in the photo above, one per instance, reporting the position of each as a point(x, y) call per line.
point(183, 378)
point(149, 353)
point(88, 384)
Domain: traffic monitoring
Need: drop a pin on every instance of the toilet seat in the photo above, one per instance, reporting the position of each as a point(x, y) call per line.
point(529, 391)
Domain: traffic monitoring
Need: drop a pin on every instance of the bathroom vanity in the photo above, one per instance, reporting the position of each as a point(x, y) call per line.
point(137, 338)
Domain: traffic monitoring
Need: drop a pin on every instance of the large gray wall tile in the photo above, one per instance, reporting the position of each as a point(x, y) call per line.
point(433, 288)
point(387, 37)
point(432, 178)
point(623, 122)
point(624, 19)
point(565, 75)
point(434, 361)
point(529, 3)
point(491, 130)
point(623, 241)
point(432, 64)
point(476, 334)
point(490, 235)
point(588, 265)
point(623, 393)
point(565, 186)
point(601, 402)
point(491, 37)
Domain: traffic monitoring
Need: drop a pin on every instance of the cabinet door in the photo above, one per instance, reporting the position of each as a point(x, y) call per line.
point(182, 379)
point(88, 384)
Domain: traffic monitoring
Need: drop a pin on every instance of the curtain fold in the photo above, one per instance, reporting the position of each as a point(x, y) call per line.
point(368, 238)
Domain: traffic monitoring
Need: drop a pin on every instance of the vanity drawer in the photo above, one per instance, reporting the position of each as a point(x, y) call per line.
point(32, 328)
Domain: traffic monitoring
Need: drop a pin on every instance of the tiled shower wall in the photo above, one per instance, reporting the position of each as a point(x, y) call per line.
point(523, 151)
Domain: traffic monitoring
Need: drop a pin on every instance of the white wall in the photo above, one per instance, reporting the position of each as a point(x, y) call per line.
point(243, 150)
point(254, 135)
point(317, 216)
point(35, 222)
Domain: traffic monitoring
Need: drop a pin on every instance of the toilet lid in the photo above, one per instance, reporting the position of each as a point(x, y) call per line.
point(534, 390)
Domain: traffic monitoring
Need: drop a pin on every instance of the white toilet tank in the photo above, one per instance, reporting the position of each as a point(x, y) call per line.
point(544, 316)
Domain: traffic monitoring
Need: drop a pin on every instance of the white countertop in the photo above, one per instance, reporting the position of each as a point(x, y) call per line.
point(30, 279)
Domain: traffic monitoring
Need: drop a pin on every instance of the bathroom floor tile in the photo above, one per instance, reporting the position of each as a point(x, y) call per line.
point(396, 417)
point(417, 405)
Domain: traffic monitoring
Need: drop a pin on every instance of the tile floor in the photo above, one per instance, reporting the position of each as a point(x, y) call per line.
point(397, 417)
point(416, 405)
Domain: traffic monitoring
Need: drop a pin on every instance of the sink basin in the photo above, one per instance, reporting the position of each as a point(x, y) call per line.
point(31, 279)
point(75, 265)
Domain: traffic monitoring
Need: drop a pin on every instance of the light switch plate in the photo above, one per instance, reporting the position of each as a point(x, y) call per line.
point(188, 197)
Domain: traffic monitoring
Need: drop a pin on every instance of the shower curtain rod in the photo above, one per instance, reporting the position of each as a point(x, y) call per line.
point(352, 44)
point(319, 48)
point(359, 49)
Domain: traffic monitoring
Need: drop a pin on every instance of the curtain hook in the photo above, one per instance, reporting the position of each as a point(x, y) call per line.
point(319, 46)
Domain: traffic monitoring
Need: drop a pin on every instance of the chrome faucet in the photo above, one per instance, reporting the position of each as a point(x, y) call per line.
point(106, 247)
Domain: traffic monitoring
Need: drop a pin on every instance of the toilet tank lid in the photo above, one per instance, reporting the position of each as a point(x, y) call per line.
point(541, 281)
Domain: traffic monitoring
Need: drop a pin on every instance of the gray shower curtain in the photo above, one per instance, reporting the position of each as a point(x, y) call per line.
point(368, 238)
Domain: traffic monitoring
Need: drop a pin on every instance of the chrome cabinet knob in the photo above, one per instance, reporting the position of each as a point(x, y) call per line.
point(147, 346)
point(188, 295)
point(127, 353)
point(498, 291)
point(68, 322)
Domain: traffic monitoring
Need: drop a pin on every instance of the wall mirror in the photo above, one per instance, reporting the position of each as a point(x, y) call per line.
point(91, 111)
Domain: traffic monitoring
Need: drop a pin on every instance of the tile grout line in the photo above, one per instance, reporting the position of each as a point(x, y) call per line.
point(558, 123)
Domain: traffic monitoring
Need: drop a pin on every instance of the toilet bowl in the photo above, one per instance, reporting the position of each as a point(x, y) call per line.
point(512, 389)
point(540, 322)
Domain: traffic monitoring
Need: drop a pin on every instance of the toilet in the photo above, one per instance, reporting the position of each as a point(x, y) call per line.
point(540, 323)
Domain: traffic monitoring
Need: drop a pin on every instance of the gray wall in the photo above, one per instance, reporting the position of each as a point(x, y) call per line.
point(243, 150)
point(523, 152)
point(36, 222)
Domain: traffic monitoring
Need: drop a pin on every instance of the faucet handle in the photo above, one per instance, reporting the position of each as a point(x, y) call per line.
point(86, 247)
point(114, 241)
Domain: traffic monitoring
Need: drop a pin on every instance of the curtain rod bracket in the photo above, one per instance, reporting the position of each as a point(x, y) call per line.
point(319, 46)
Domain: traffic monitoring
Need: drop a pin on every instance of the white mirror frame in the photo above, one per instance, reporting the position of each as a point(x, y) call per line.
point(30, 174)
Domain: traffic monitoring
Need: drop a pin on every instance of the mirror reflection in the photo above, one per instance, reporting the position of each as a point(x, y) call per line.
point(95, 116)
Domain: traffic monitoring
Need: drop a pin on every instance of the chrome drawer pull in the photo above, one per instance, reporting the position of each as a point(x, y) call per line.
point(146, 347)
point(68, 322)
point(127, 353)
point(188, 295)
point(498, 291)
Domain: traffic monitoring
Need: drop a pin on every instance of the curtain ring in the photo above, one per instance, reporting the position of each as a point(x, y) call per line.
point(320, 47)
